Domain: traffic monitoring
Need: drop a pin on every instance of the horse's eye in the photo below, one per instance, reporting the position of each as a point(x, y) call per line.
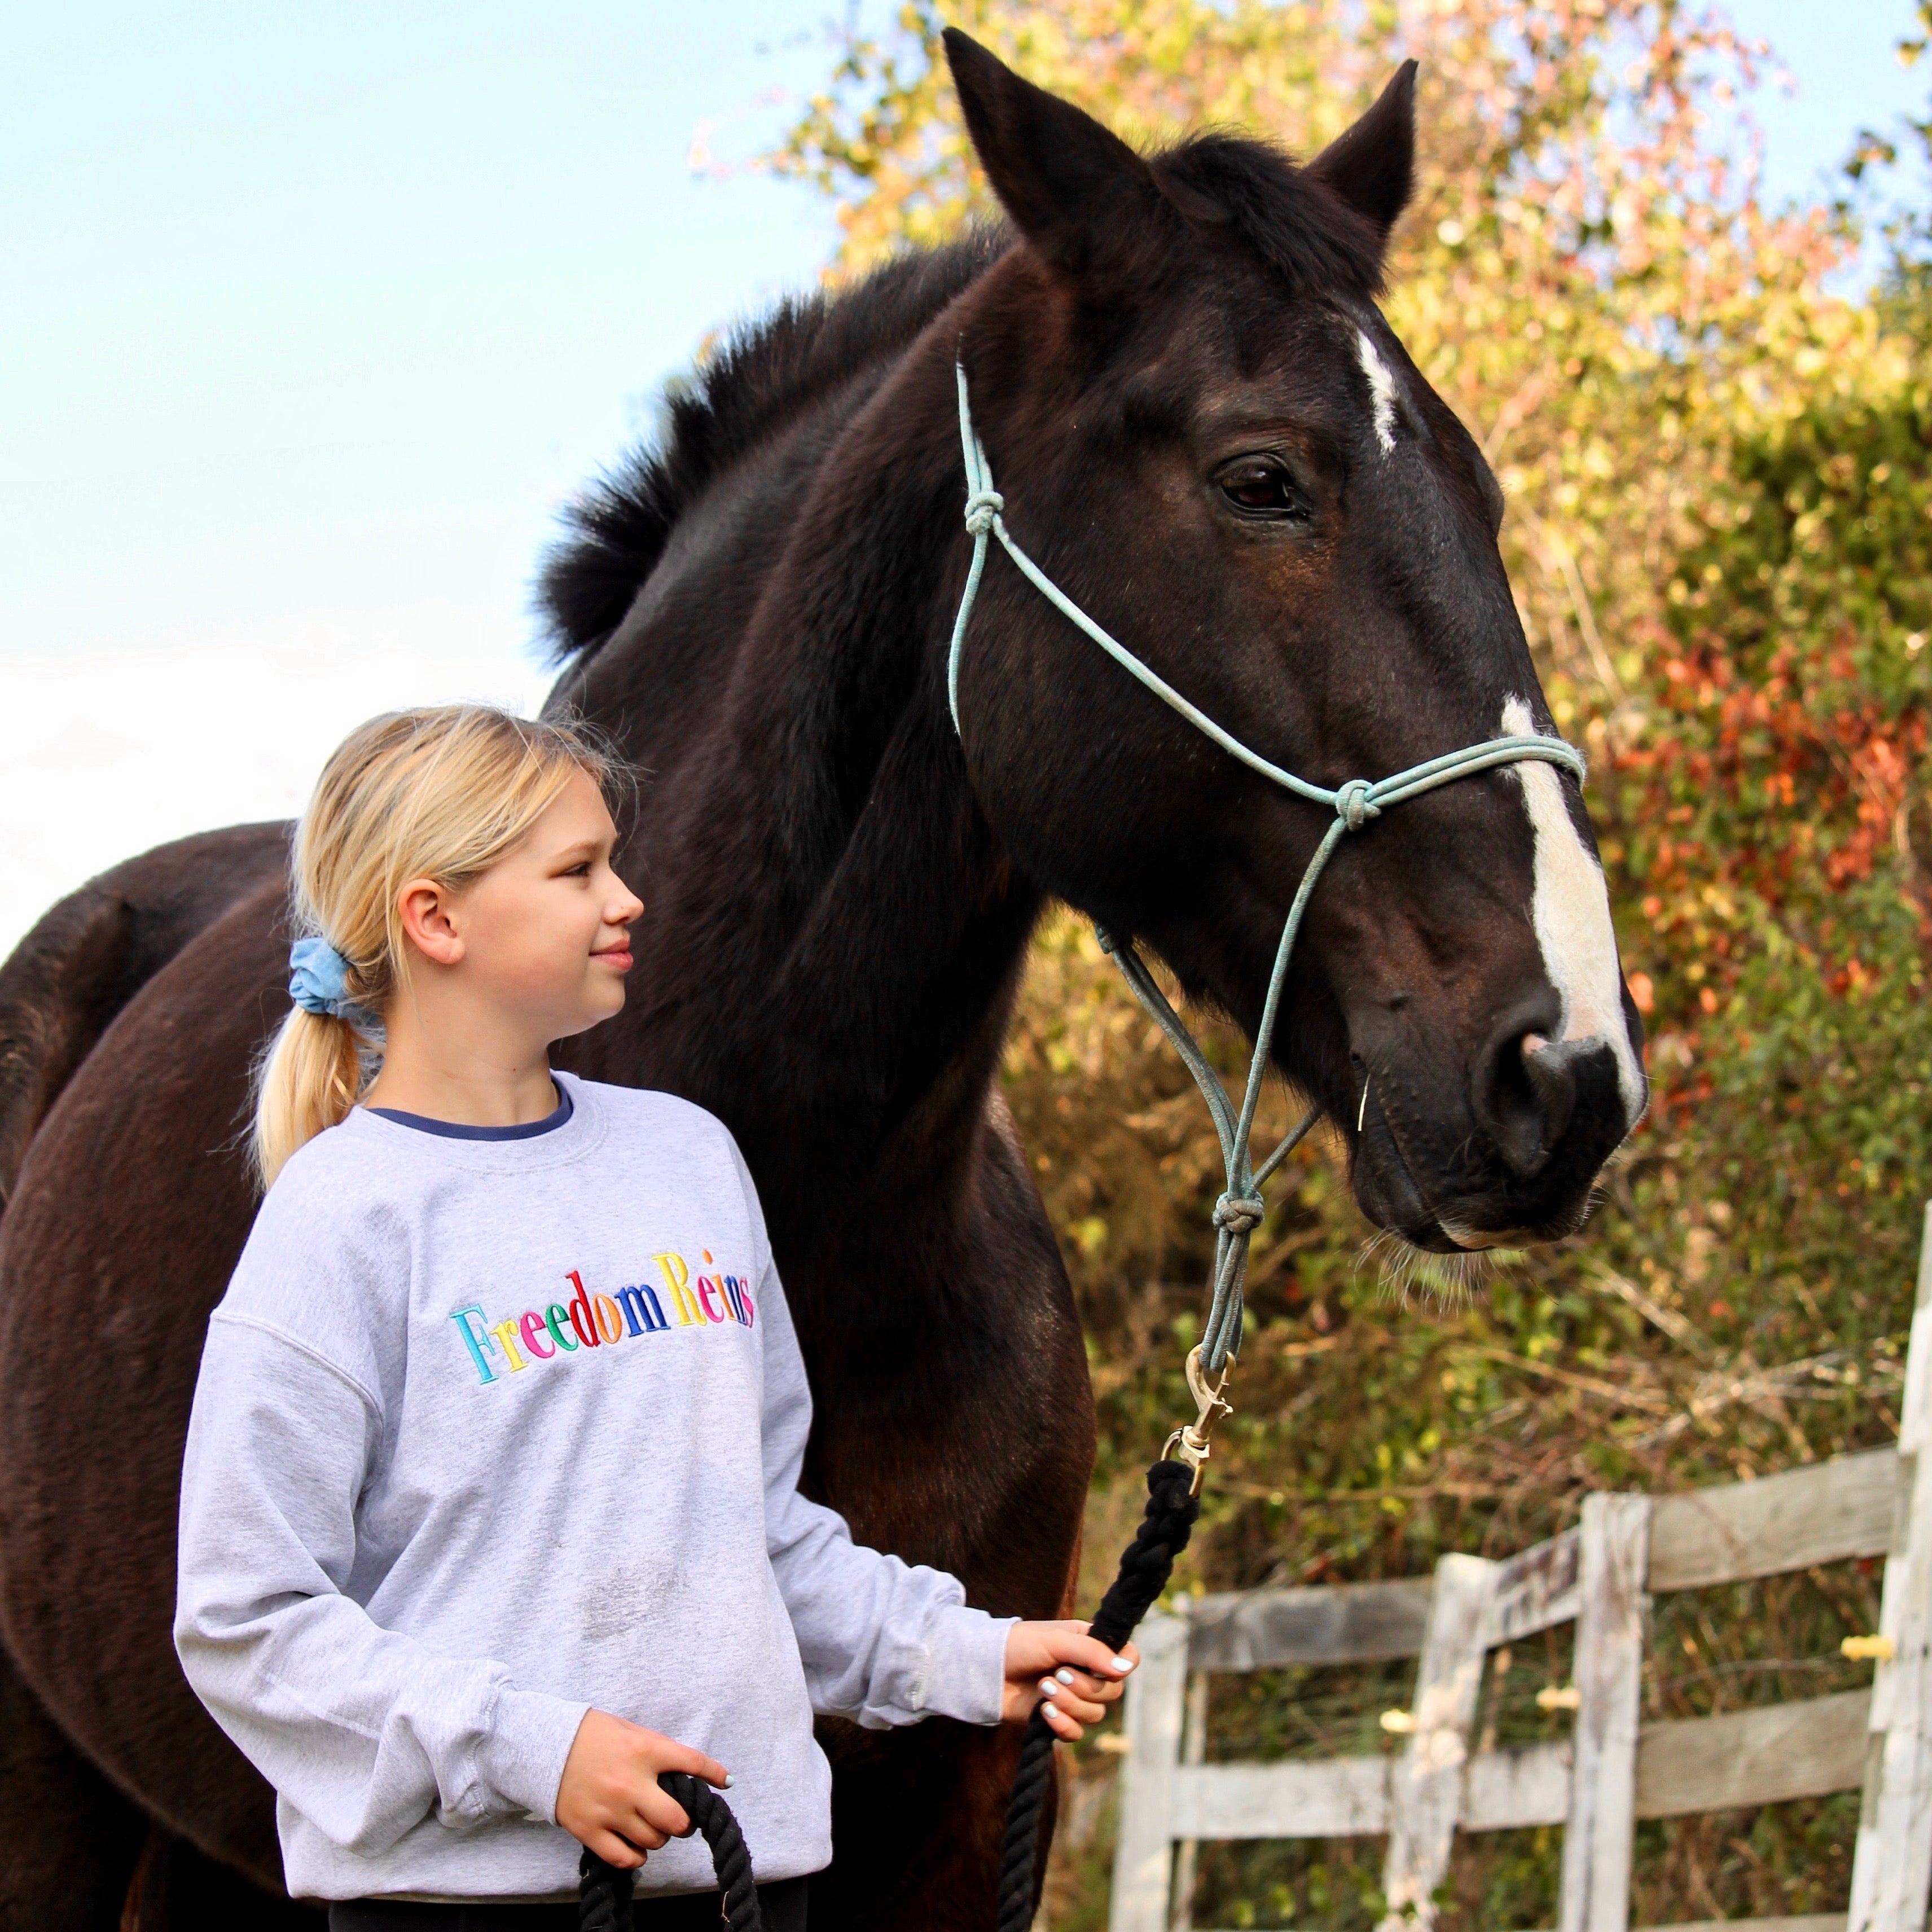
point(1262, 486)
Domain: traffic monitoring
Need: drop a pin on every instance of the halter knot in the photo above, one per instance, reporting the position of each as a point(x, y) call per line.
point(1353, 805)
point(1240, 1214)
point(982, 508)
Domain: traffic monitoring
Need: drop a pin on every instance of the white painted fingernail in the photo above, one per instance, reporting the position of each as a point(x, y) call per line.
point(1064, 1676)
point(1120, 1665)
point(1048, 1688)
point(730, 1782)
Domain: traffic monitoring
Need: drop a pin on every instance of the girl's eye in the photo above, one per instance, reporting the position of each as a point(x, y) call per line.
point(1264, 487)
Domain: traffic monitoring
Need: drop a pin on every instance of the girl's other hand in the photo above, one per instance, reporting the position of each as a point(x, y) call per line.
point(609, 1798)
point(1076, 1676)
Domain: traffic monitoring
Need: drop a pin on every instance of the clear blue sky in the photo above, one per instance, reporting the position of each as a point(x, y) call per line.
point(322, 309)
point(311, 315)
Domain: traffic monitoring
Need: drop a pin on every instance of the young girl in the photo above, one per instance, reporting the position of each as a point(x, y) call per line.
point(490, 1512)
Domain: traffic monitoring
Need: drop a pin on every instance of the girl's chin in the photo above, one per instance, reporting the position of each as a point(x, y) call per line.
point(602, 999)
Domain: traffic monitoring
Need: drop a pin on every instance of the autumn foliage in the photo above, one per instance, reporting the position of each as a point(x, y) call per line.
point(1714, 447)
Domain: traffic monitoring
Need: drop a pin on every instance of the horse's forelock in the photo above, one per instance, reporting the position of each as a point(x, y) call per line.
point(1298, 225)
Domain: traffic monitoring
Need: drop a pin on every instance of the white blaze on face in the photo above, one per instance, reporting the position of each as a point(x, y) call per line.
point(1570, 910)
point(1381, 389)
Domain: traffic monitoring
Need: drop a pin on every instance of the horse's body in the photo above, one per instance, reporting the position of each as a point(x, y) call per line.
point(838, 904)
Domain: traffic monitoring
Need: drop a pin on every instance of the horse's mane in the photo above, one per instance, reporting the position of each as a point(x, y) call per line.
point(617, 531)
point(618, 528)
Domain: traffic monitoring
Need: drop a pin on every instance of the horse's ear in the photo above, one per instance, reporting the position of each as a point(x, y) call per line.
point(1372, 166)
point(1064, 179)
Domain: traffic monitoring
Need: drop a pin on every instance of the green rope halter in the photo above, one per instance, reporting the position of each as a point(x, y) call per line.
point(1240, 1209)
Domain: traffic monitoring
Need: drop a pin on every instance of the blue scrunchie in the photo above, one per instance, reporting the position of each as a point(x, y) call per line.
point(318, 981)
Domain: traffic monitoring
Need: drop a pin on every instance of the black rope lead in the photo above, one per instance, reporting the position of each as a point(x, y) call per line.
point(1146, 1564)
point(603, 1895)
point(603, 1891)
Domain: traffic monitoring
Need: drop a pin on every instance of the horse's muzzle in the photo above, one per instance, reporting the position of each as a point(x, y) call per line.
point(1511, 1159)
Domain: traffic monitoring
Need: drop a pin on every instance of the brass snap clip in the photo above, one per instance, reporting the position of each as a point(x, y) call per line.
point(1188, 1444)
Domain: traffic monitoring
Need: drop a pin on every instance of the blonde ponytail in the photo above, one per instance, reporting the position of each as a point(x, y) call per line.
point(309, 1077)
point(440, 793)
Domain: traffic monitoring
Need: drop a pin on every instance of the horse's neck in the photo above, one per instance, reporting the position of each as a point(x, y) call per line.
point(841, 931)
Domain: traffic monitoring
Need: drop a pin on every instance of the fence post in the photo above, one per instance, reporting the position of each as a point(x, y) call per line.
point(1426, 1787)
point(1599, 1838)
point(1156, 1697)
point(1893, 1862)
point(1193, 1749)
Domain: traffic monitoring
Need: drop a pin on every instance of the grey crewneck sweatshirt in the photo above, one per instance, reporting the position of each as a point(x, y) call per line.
point(489, 1431)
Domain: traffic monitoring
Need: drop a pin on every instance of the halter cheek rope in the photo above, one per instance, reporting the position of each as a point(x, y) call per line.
point(1174, 1482)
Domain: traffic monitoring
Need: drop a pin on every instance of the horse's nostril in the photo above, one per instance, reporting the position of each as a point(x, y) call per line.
point(1553, 1075)
point(1525, 1092)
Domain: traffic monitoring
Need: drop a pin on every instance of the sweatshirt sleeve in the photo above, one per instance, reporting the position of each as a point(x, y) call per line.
point(365, 1732)
point(885, 1641)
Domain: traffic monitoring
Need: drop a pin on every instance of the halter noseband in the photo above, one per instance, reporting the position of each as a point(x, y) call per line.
point(1239, 1211)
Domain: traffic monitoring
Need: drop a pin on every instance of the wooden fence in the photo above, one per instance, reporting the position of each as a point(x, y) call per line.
point(1613, 1770)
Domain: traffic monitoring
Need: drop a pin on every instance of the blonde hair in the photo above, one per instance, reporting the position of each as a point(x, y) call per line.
point(441, 793)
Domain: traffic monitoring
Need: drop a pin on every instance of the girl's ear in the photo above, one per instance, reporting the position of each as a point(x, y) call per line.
point(426, 912)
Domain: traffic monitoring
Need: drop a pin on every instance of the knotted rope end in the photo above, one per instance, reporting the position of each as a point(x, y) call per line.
point(1240, 1214)
point(1355, 803)
point(983, 508)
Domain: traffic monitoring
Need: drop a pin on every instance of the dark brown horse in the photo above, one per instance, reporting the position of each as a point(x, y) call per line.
point(1207, 433)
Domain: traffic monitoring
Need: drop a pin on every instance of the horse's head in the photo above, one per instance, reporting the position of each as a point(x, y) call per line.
point(1207, 435)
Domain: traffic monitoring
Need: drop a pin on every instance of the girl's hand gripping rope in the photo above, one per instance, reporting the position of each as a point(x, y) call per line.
point(1058, 1667)
point(609, 1799)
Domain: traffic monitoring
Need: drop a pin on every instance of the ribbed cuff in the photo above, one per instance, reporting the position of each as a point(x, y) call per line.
point(521, 1758)
point(968, 1677)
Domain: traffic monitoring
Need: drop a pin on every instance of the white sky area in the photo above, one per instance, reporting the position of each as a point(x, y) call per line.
point(313, 317)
